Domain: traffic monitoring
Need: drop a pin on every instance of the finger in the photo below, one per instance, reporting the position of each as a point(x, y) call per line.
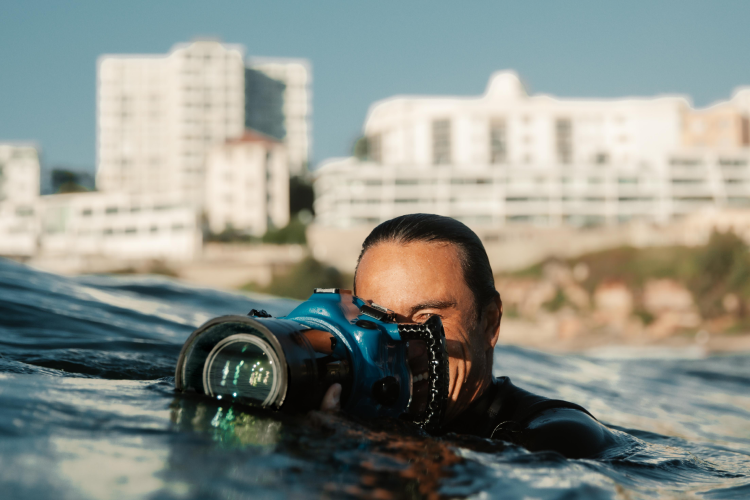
point(332, 399)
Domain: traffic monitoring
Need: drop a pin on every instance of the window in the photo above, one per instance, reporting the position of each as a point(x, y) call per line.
point(564, 134)
point(745, 132)
point(601, 158)
point(86, 212)
point(526, 199)
point(441, 142)
point(686, 162)
point(110, 210)
point(732, 162)
point(498, 142)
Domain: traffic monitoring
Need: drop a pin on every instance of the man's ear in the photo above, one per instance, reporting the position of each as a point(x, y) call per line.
point(493, 313)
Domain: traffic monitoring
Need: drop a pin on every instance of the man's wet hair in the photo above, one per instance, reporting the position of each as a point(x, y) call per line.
point(430, 228)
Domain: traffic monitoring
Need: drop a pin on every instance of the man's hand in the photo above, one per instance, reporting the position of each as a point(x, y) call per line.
point(332, 399)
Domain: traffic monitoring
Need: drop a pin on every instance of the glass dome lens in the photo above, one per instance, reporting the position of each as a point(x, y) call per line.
point(244, 367)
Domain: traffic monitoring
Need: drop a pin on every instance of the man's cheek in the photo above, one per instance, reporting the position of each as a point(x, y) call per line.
point(455, 349)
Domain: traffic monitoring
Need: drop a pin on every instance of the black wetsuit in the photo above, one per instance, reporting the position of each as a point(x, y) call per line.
point(507, 412)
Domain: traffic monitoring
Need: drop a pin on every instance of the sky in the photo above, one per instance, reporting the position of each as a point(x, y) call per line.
point(362, 51)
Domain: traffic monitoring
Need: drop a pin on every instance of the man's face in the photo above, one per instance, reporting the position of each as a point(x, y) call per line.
point(419, 280)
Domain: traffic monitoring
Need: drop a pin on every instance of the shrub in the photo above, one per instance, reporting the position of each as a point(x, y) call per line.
point(300, 280)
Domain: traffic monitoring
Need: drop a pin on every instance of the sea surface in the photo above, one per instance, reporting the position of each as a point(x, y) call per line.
point(88, 410)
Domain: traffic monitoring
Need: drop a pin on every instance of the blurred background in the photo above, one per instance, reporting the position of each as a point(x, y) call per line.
point(601, 151)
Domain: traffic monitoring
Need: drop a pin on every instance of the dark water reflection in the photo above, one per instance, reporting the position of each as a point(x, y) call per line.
point(87, 410)
point(319, 452)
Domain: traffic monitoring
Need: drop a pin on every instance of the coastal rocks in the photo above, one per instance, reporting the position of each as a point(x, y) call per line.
point(525, 296)
point(614, 302)
point(557, 305)
point(672, 306)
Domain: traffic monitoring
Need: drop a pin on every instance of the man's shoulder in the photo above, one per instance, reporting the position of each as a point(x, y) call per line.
point(514, 404)
point(571, 432)
point(539, 423)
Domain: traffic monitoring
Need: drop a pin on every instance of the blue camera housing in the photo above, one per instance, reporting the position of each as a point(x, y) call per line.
point(334, 337)
point(371, 338)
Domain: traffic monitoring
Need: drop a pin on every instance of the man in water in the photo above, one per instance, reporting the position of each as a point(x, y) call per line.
point(421, 265)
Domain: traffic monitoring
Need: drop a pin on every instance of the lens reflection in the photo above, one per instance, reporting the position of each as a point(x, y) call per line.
point(244, 367)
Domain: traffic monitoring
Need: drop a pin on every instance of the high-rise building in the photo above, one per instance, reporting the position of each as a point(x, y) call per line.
point(159, 115)
point(19, 192)
point(510, 157)
point(296, 75)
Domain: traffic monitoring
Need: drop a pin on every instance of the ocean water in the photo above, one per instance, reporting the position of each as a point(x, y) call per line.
point(87, 410)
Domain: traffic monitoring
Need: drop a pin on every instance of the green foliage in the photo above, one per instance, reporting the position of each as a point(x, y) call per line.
point(510, 311)
point(231, 235)
point(634, 266)
point(361, 149)
point(292, 233)
point(301, 195)
point(557, 301)
point(535, 271)
point(300, 280)
point(645, 316)
point(69, 181)
point(723, 266)
point(710, 272)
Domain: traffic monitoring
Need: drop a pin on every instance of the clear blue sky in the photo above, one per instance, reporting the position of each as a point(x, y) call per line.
point(362, 51)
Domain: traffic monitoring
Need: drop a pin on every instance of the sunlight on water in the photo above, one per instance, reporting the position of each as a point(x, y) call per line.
point(87, 410)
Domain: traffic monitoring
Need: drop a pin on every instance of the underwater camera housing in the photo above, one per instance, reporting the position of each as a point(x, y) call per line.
point(386, 369)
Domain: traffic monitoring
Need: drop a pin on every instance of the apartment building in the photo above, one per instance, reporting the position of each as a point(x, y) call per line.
point(119, 225)
point(247, 185)
point(510, 157)
point(159, 115)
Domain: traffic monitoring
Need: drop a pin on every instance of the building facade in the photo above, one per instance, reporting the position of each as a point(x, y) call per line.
point(119, 225)
point(247, 185)
point(510, 157)
point(296, 75)
point(159, 115)
point(19, 192)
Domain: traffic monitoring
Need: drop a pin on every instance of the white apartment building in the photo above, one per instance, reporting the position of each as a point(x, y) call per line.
point(247, 185)
point(119, 225)
point(507, 157)
point(19, 192)
point(159, 115)
point(296, 74)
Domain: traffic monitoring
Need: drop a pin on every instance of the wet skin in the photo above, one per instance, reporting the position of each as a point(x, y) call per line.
point(419, 280)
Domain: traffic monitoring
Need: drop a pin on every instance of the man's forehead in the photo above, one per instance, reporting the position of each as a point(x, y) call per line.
point(405, 276)
point(425, 257)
